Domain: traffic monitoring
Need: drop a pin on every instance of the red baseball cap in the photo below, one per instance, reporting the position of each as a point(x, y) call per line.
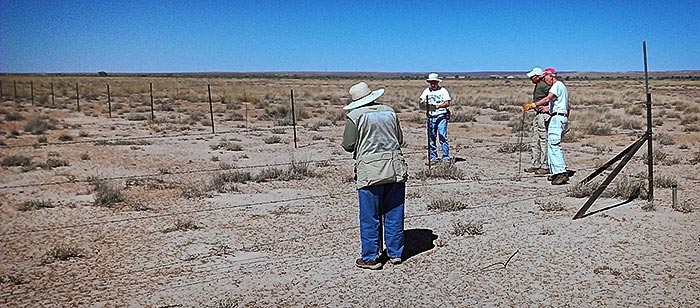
point(549, 71)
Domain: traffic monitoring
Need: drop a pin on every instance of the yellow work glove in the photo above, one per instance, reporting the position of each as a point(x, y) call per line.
point(529, 106)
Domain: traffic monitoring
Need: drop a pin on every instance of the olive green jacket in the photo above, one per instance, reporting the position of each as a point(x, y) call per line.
point(373, 134)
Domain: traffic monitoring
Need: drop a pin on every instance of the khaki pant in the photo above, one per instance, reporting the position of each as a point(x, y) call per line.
point(539, 141)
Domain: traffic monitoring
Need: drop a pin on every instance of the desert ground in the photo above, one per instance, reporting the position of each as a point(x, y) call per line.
point(127, 199)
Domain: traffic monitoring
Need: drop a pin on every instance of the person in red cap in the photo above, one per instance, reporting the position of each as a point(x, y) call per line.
point(557, 104)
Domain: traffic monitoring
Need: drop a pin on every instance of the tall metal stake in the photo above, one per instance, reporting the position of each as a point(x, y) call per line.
point(520, 144)
point(650, 151)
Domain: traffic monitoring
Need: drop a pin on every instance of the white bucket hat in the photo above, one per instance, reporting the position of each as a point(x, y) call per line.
point(536, 71)
point(433, 77)
point(361, 95)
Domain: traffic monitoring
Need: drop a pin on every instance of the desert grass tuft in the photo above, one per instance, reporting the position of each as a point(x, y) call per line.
point(683, 207)
point(63, 252)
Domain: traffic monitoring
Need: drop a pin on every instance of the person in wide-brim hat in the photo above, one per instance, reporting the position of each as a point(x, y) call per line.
point(362, 95)
point(373, 135)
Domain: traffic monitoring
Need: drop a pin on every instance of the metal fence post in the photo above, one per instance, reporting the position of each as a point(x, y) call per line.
point(31, 90)
point(14, 83)
point(77, 96)
point(53, 99)
point(153, 116)
point(109, 101)
point(294, 119)
point(211, 109)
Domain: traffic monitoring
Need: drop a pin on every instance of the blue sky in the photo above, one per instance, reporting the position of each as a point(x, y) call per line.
point(375, 36)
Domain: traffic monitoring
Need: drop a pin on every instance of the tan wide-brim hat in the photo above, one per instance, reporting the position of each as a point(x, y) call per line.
point(433, 77)
point(361, 95)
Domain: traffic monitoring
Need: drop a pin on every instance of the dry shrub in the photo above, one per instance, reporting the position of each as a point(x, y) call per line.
point(464, 117)
point(582, 190)
point(106, 194)
point(550, 205)
point(658, 155)
point(664, 138)
point(32, 205)
point(39, 125)
point(16, 161)
point(194, 191)
point(695, 158)
point(441, 170)
point(683, 207)
point(226, 181)
point(664, 181)
point(508, 148)
point(272, 140)
point(470, 228)
point(185, 224)
point(627, 188)
point(447, 205)
point(228, 146)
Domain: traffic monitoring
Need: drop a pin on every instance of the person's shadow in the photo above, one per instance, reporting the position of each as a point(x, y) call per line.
point(417, 241)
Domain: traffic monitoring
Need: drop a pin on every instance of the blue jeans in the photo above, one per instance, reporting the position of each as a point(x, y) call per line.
point(555, 157)
point(438, 126)
point(390, 199)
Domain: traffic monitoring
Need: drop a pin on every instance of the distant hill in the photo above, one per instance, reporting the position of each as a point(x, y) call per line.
point(683, 74)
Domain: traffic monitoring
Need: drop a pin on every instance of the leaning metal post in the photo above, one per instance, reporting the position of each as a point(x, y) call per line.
point(626, 154)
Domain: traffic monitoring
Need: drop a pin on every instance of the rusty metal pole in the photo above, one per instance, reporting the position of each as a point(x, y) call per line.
point(650, 151)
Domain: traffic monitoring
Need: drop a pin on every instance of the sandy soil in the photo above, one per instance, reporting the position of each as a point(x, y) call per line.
point(293, 243)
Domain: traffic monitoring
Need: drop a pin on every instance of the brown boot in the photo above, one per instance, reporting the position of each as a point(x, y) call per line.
point(560, 179)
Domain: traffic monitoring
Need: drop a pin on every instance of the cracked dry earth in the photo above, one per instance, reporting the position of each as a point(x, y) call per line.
point(293, 243)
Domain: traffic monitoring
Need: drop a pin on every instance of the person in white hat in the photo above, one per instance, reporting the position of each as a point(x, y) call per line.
point(539, 125)
point(373, 134)
point(438, 100)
